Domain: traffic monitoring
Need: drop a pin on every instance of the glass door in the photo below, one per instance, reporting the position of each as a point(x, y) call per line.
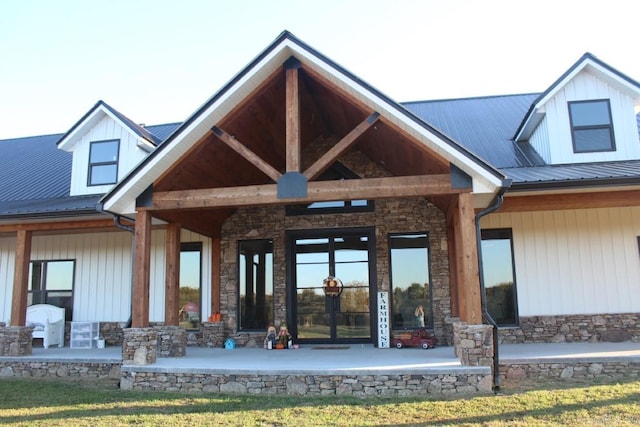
point(331, 275)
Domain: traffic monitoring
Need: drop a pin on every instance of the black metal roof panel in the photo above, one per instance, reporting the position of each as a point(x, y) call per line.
point(49, 207)
point(484, 125)
point(163, 131)
point(622, 172)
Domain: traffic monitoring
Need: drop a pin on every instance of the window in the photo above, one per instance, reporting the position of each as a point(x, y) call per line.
point(591, 128)
point(103, 162)
point(255, 280)
point(499, 279)
point(410, 281)
point(190, 285)
point(51, 282)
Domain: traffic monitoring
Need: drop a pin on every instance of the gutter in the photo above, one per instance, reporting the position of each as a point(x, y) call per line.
point(495, 205)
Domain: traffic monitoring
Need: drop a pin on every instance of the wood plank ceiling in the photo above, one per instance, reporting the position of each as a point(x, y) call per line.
point(259, 124)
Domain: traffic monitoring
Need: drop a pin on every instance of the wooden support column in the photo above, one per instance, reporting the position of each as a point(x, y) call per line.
point(21, 278)
point(172, 284)
point(453, 267)
point(216, 255)
point(141, 270)
point(469, 302)
point(292, 115)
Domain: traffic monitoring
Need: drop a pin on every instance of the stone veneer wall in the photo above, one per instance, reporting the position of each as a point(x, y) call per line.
point(140, 346)
point(574, 328)
point(571, 370)
point(60, 369)
point(310, 385)
point(16, 340)
point(390, 216)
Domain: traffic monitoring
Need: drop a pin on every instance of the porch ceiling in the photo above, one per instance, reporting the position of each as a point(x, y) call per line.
point(259, 124)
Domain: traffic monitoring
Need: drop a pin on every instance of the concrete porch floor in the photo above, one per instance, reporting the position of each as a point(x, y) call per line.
point(356, 358)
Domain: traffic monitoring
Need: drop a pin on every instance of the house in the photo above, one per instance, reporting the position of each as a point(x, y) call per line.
point(299, 194)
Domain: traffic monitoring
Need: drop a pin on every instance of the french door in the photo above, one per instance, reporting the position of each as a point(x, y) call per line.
point(332, 285)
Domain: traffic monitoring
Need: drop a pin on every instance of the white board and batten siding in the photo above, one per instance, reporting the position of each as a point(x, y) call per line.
point(129, 155)
point(552, 138)
point(583, 261)
point(102, 284)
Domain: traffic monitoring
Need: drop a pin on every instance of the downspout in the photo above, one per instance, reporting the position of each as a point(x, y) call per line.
point(495, 205)
point(117, 220)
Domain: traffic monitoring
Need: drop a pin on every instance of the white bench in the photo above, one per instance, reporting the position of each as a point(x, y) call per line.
point(48, 323)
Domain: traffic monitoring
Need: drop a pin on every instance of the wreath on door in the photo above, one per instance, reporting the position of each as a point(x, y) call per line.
point(332, 286)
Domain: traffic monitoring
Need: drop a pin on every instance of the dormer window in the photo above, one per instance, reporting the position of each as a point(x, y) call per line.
point(103, 162)
point(591, 126)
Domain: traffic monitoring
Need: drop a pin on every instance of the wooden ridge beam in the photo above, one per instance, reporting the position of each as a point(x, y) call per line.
point(245, 152)
point(343, 145)
point(349, 189)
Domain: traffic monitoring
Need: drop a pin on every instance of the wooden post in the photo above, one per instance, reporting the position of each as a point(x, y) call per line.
point(21, 278)
point(172, 283)
point(141, 268)
point(453, 267)
point(469, 302)
point(292, 117)
point(216, 254)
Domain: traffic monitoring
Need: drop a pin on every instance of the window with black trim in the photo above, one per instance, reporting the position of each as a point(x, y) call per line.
point(103, 162)
point(410, 280)
point(255, 284)
point(591, 126)
point(336, 172)
point(190, 285)
point(498, 270)
point(51, 282)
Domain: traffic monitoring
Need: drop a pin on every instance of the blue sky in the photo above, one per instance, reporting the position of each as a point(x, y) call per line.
point(158, 61)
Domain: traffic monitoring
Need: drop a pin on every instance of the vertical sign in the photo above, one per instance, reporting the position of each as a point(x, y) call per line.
point(383, 319)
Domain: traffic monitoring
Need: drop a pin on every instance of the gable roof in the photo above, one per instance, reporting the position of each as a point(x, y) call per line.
point(95, 114)
point(587, 62)
point(121, 199)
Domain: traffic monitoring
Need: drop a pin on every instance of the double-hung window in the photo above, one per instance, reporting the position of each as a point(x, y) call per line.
point(591, 126)
point(103, 162)
point(498, 269)
point(51, 282)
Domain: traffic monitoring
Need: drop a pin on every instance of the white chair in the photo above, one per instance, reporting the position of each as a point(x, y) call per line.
point(48, 323)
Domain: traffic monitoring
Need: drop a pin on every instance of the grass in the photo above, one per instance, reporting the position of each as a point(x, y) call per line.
point(29, 401)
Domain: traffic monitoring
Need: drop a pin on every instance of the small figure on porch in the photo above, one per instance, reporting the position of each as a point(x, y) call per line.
point(419, 313)
point(284, 337)
point(270, 339)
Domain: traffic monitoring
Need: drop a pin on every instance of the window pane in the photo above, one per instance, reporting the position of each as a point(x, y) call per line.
point(256, 283)
point(592, 139)
point(411, 291)
point(498, 272)
point(589, 113)
point(104, 152)
point(103, 174)
point(59, 275)
point(190, 284)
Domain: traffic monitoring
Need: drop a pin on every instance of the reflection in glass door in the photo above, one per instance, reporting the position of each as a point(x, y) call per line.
point(330, 315)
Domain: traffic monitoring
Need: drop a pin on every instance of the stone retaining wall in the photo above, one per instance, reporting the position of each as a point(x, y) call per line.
point(570, 370)
point(17, 368)
point(574, 328)
point(310, 385)
point(16, 341)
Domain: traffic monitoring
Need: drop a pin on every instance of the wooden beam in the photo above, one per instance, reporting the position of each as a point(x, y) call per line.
point(141, 270)
point(216, 270)
point(21, 278)
point(549, 202)
point(343, 145)
point(172, 279)
point(292, 119)
point(245, 152)
point(453, 267)
point(58, 226)
point(348, 189)
point(468, 275)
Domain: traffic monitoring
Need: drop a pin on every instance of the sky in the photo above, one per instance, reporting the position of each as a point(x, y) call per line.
point(157, 61)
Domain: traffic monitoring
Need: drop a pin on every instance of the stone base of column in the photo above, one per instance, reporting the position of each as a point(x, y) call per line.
point(16, 341)
point(172, 341)
point(140, 346)
point(213, 334)
point(473, 344)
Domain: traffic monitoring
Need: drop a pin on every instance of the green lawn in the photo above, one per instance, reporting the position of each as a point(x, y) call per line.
point(100, 403)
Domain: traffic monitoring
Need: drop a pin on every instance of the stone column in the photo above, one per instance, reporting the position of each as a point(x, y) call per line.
point(213, 334)
point(16, 341)
point(172, 341)
point(140, 346)
point(473, 344)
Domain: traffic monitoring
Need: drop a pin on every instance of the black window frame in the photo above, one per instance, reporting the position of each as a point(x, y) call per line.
point(41, 295)
point(194, 247)
point(269, 310)
point(109, 163)
point(597, 127)
point(495, 234)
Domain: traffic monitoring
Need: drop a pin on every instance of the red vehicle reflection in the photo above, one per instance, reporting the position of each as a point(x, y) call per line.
point(414, 338)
